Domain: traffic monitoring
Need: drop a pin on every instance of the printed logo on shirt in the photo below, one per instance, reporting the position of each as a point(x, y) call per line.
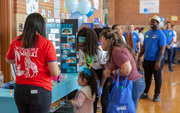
point(170, 33)
point(27, 54)
point(134, 37)
point(121, 108)
point(146, 36)
point(155, 36)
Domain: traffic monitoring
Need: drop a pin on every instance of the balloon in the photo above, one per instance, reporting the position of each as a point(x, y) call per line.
point(161, 24)
point(147, 12)
point(84, 7)
point(162, 19)
point(90, 12)
point(71, 5)
point(145, 9)
point(79, 16)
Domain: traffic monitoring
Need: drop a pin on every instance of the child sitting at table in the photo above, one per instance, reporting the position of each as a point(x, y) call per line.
point(85, 97)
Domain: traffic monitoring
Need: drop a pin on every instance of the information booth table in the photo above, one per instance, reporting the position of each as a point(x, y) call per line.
point(61, 89)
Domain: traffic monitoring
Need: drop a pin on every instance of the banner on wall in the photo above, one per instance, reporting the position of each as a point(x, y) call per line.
point(96, 4)
point(56, 8)
point(151, 5)
point(32, 6)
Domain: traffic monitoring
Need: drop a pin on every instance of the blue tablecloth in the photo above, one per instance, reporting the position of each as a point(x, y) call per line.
point(66, 86)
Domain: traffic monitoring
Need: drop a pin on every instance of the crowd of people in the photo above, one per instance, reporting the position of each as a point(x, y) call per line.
point(102, 51)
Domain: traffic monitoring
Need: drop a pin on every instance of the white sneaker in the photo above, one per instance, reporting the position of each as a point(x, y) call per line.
point(99, 107)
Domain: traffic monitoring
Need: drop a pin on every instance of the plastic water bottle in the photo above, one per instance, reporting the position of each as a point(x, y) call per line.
point(1, 79)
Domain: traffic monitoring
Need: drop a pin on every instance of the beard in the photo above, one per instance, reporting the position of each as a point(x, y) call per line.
point(154, 27)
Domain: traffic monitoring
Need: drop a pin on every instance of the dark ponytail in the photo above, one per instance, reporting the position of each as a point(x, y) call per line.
point(91, 81)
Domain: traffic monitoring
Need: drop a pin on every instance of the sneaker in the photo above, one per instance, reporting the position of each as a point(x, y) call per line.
point(173, 64)
point(144, 96)
point(156, 98)
point(170, 70)
point(99, 107)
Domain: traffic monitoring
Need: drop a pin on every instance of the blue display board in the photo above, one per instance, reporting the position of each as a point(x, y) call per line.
point(53, 28)
point(69, 29)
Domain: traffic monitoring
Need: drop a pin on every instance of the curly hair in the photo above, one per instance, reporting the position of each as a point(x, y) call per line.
point(91, 40)
point(115, 41)
point(91, 81)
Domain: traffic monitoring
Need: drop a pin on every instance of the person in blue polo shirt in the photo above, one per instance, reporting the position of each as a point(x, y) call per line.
point(169, 41)
point(136, 41)
point(153, 47)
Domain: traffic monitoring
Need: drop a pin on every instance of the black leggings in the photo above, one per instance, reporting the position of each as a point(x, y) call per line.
point(32, 99)
point(104, 96)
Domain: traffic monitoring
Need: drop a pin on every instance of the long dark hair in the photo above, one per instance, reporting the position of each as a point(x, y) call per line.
point(91, 81)
point(115, 41)
point(91, 40)
point(34, 23)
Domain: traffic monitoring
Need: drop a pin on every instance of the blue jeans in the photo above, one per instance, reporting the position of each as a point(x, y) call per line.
point(173, 54)
point(169, 58)
point(138, 88)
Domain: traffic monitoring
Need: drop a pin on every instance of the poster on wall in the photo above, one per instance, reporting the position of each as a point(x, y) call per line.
point(56, 8)
point(43, 13)
point(31, 6)
point(53, 34)
point(96, 4)
point(62, 16)
point(151, 5)
point(90, 25)
point(49, 14)
point(69, 61)
point(67, 16)
point(174, 18)
point(45, 0)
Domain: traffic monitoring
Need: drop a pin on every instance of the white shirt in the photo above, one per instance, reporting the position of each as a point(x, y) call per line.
point(175, 39)
point(141, 36)
point(98, 59)
point(123, 38)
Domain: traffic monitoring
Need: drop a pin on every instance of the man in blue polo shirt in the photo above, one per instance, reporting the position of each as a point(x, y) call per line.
point(169, 41)
point(153, 47)
point(136, 41)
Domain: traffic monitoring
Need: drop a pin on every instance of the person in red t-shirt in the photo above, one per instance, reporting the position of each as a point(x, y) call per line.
point(35, 59)
point(121, 57)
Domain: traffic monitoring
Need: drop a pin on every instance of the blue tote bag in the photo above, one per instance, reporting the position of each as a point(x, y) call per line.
point(120, 97)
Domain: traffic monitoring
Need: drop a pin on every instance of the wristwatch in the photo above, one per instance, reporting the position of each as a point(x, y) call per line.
point(111, 73)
